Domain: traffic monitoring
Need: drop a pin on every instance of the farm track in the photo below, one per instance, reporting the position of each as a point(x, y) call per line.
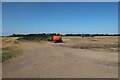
point(49, 61)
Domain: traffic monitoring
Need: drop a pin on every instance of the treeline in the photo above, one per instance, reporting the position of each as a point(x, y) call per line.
point(51, 34)
point(33, 37)
point(28, 35)
point(44, 36)
point(91, 35)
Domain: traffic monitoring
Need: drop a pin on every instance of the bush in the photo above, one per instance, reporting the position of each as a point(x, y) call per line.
point(34, 38)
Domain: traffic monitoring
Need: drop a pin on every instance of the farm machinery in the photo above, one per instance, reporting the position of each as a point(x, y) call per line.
point(55, 38)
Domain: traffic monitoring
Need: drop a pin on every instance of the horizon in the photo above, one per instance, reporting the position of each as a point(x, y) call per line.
point(66, 34)
point(60, 17)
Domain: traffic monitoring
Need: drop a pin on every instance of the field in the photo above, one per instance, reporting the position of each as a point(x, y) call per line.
point(99, 42)
point(89, 57)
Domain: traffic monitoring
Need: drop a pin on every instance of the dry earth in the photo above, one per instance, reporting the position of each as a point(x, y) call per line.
point(63, 60)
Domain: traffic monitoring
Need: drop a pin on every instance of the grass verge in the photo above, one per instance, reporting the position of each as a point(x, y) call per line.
point(10, 52)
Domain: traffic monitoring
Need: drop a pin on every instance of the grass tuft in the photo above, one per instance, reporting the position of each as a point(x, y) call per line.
point(10, 52)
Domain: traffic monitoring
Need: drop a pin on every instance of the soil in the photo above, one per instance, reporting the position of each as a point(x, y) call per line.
point(51, 60)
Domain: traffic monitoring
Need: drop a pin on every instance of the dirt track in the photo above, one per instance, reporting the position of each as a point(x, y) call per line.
point(49, 61)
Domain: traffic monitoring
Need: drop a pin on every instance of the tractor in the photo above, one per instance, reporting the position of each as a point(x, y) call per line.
point(55, 38)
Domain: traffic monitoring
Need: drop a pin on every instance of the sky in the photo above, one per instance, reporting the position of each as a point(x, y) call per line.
point(0, 19)
point(59, 17)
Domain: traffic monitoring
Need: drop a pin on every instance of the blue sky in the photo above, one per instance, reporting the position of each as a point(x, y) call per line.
point(63, 17)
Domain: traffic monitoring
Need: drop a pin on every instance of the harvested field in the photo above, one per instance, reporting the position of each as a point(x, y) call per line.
point(105, 42)
point(89, 57)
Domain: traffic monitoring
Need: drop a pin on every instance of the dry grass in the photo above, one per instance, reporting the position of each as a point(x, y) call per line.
point(98, 42)
point(10, 48)
point(10, 52)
